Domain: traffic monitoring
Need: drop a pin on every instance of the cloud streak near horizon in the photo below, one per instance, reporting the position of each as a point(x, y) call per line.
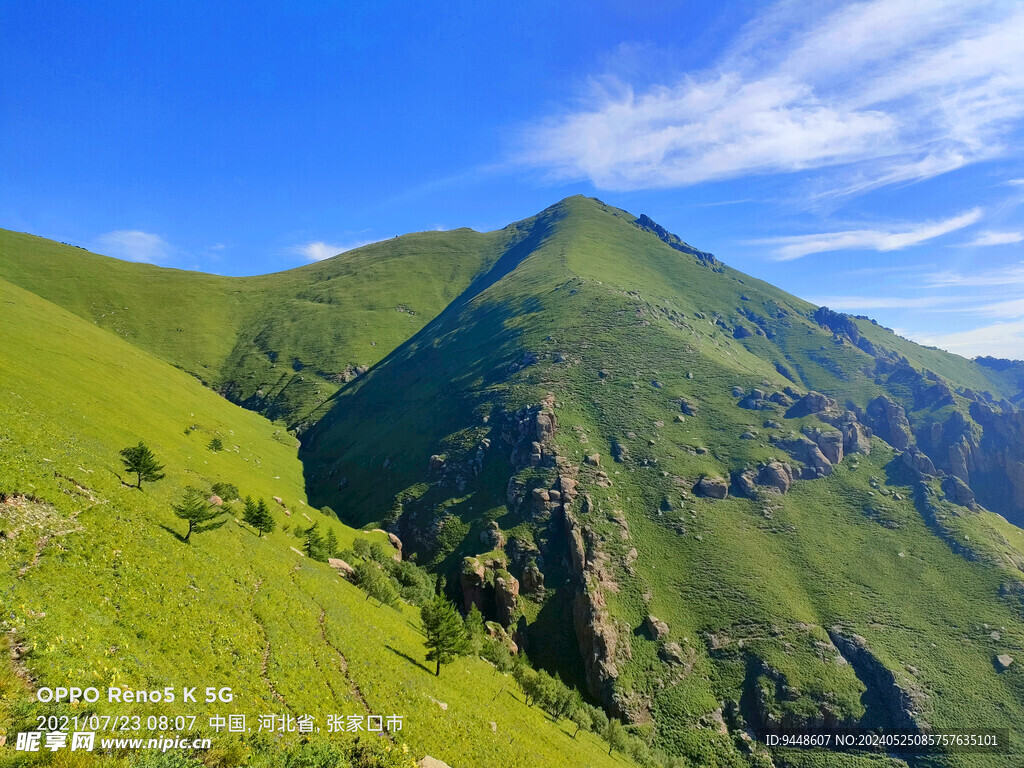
point(789, 247)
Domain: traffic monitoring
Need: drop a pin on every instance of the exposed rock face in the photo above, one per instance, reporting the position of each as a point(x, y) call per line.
point(712, 487)
point(472, 581)
point(916, 460)
point(529, 431)
point(889, 421)
point(856, 437)
point(1003, 661)
point(899, 702)
point(596, 633)
point(656, 628)
point(492, 536)
point(807, 451)
point(831, 445)
point(958, 492)
point(533, 580)
point(594, 459)
point(812, 402)
point(506, 590)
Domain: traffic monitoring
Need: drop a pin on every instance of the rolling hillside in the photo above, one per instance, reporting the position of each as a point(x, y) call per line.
point(712, 506)
point(97, 588)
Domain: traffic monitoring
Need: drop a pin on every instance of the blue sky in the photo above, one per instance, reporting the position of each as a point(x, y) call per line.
point(865, 155)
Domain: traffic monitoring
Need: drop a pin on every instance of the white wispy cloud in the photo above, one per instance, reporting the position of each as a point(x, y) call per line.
point(889, 90)
point(996, 238)
point(1010, 275)
point(792, 247)
point(135, 245)
point(1002, 339)
point(319, 250)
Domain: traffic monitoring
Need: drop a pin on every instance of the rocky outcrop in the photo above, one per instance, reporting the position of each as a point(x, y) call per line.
point(506, 591)
point(776, 475)
point(492, 536)
point(529, 431)
point(806, 450)
point(811, 403)
point(901, 703)
point(958, 492)
point(889, 421)
point(655, 627)
point(472, 579)
point(596, 633)
point(532, 582)
point(771, 476)
point(917, 461)
point(712, 487)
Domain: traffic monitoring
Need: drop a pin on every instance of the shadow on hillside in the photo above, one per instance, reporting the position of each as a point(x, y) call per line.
point(174, 533)
point(409, 658)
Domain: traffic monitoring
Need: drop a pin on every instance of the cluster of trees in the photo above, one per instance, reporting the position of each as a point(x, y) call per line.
point(385, 579)
point(257, 514)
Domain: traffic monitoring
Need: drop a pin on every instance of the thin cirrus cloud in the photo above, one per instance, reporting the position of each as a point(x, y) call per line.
point(996, 238)
point(1010, 275)
point(135, 245)
point(792, 247)
point(838, 91)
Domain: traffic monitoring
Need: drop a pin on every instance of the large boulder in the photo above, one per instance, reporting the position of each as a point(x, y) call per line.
point(343, 568)
point(712, 487)
point(656, 628)
point(533, 580)
point(776, 475)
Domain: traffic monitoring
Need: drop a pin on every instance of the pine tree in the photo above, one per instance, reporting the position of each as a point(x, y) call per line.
point(200, 514)
point(257, 514)
point(446, 634)
point(331, 543)
point(313, 543)
point(475, 629)
point(140, 460)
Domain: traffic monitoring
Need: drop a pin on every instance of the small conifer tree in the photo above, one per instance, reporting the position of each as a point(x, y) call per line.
point(139, 460)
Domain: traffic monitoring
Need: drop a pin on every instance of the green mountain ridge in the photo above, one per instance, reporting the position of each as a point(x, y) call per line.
point(710, 504)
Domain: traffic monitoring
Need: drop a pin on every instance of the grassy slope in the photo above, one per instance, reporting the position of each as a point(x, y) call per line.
point(287, 335)
point(98, 591)
point(598, 294)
